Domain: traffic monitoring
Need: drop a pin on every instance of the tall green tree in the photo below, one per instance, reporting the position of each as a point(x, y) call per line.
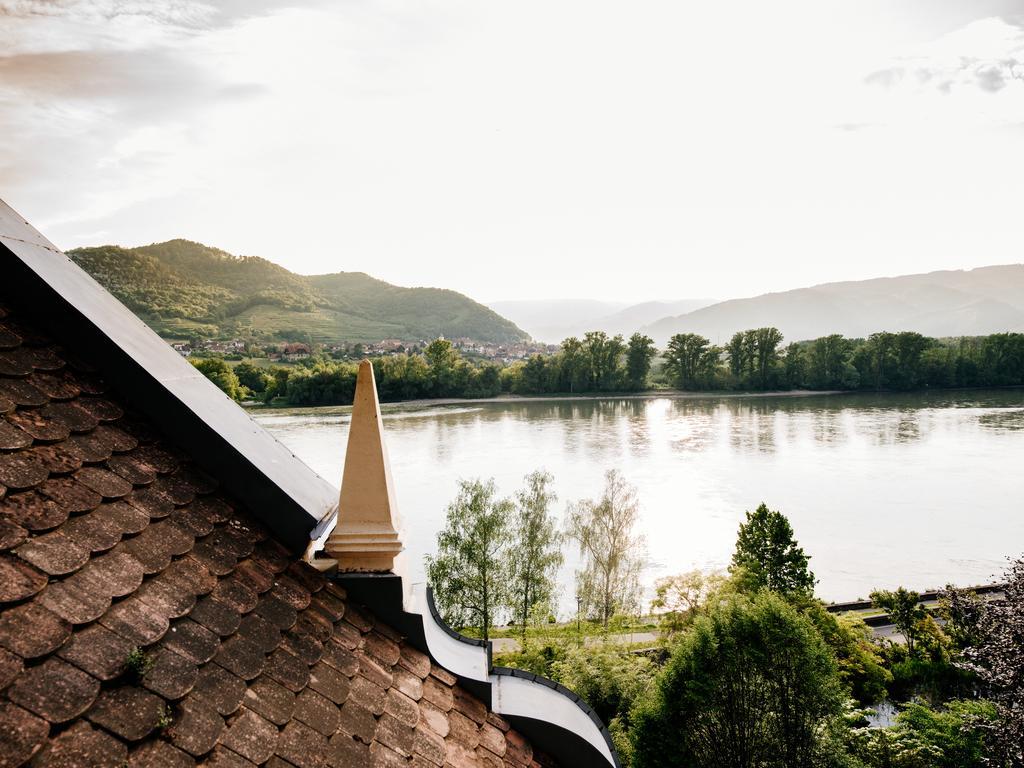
point(766, 354)
point(612, 551)
point(767, 556)
point(751, 685)
point(639, 354)
point(220, 373)
point(691, 361)
point(535, 554)
point(469, 574)
point(905, 609)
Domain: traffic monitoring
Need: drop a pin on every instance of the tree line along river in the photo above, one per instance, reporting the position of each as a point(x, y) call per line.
point(882, 489)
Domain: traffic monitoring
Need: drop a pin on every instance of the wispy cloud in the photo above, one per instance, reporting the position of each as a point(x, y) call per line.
point(986, 55)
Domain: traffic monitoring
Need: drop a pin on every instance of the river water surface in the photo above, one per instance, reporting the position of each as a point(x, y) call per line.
point(882, 490)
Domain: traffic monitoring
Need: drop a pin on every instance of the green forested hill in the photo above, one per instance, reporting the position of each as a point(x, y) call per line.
point(186, 289)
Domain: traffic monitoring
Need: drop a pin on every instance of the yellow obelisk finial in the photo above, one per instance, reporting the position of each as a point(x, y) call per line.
point(365, 538)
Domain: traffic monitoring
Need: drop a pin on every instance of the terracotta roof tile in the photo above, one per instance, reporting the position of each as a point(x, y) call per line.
point(438, 693)
point(264, 634)
point(358, 721)
point(192, 640)
point(219, 560)
point(219, 689)
point(276, 611)
point(57, 459)
point(251, 736)
point(71, 416)
point(345, 751)
point(136, 621)
point(382, 756)
point(149, 501)
point(302, 746)
point(11, 534)
point(329, 682)
point(292, 593)
point(254, 576)
point(32, 511)
point(160, 460)
point(82, 745)
point(196, 728)
point(104, 482)
point(191, 575)
point(216, 616)
point(12, 438)
point(369, 695)
point(114, 574)
point(18, 579)
point(70, 494)
point(317, 712)
point(434, 718)
point(469, 705)
point(132, 468)
point(37, 424)
point(171, 676)
point(22, 734)
point(10, 667)
point(98, 651)
point(241, 657)
point(492, 739)
point(234, 594)
point(101, 408)
point(31, 631)
point(166, 594)
point(299, 642)
point(54, 553)
point(358, 619)
point(287, 670)
point(343, 659)
point(213, 509)
point(22, 470)
point(159, 754)
point(174, 489)
point(429, 746)
point(75, 599)
point(24, 393)
point(55, 387)
point(94, 531)
point(54, 690)
point(129, 712)
point(16, 362)
point(271, 700)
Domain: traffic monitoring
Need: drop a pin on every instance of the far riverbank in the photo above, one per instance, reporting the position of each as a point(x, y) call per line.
point(651, 394)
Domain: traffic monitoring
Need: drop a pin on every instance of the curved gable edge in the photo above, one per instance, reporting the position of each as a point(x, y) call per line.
point(556, 720)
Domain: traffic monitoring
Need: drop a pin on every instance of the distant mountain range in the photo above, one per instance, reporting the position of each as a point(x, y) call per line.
point(181, 288)
point(948, 303)
point(554, 320)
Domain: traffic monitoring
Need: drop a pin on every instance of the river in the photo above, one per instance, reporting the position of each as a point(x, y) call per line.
point(882, 490)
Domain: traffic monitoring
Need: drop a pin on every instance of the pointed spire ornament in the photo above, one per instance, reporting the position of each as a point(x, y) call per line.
point(365, 537)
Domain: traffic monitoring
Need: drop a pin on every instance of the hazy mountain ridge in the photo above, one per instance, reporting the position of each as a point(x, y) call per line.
point(944, 303)
point(183, 288)
point(556, 319)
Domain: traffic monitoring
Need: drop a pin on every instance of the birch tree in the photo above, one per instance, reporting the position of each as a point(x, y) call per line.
point(612, 551)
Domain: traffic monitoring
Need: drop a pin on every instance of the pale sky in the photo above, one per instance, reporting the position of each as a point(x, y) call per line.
point(524, 150)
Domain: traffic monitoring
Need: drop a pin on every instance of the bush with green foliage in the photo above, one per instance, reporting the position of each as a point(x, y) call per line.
point(220, 373)
point(751, 684)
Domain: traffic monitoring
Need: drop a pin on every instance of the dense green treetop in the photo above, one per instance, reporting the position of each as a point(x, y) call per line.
point(767, 556)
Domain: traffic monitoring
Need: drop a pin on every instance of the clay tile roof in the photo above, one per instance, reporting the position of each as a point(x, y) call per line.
point(147, 619)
